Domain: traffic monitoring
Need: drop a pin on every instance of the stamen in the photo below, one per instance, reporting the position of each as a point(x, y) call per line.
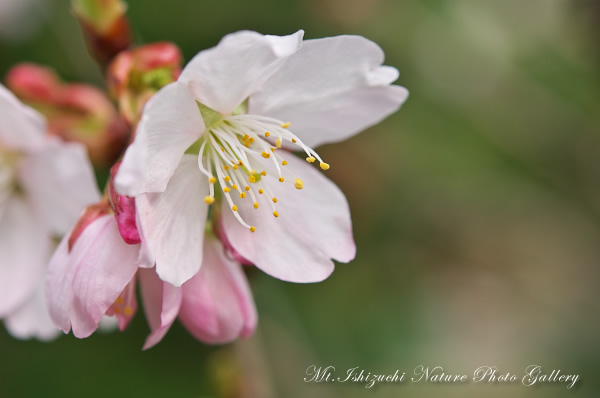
point(237, 145)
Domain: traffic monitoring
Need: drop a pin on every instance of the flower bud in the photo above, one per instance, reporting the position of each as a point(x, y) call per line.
point(135, 75)
point(124, 209)
point(105, 27)
point(89, 215)
point(75, 112)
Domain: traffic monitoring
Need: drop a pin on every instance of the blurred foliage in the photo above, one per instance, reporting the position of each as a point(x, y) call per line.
point(476, 210)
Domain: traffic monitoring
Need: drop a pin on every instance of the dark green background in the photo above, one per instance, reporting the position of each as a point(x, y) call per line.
point(476, 210)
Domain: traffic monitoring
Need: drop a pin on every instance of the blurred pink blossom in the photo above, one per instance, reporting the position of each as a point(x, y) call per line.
point(44, 185)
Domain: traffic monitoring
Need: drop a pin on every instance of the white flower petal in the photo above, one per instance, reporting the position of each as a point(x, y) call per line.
point(224, 76)
point(173, 222)
point(313, 227)
point(170, 124)
point(330, 89)
point(60, 182)
point(21, 128)
point(31, 320)
point(24, 251)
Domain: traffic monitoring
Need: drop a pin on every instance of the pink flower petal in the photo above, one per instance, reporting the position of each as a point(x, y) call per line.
point(83, 284)
point(161, 305)
point(217, 303)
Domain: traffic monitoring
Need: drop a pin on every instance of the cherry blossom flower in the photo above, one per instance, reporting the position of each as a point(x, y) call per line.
point(221, 136)
point(44, 185)
point(96, 275)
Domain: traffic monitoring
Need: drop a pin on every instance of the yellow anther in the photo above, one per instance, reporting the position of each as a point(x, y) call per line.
point(263, 173)
point(285, 125)
point(293, 141)
point(209, 200)
point(310, 159)
point(235, 167)
point(260, 191)
point(252, 179)
point(226, 167)
point(267, 134)
point(265, 155)
point(273, 149)
point(284, 163)
point(298, 183)
point(281, 179)
point(251, 140)
point(241, 163)
point(234, 208)
point(274, 200)
point(212, 180)
point(234, 186)
point(252, 229)
point(278, 142)
point(256, 205)
point(324, 166)
point(247, 144)
point(222, 149)
point(128, 311)
point(247, 188)
point(227, 178)
point(119, 300)
point(226, 189)
point(276, 214)
point(243, 195)
point(246, 136)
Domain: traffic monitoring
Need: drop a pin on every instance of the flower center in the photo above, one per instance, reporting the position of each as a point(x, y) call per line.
point(234, 147)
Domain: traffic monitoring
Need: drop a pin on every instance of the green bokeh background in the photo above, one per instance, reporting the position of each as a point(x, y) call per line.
point(476, 210)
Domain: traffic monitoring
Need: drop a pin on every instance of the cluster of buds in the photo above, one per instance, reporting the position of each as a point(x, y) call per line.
point(75, 112)
point(133, 76)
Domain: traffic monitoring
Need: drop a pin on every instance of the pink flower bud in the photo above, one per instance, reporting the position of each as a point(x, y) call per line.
point(135, 75)
point(89, 215)
point(105, 27)
point(124, 208)
point(75, 112)
point(34, 83)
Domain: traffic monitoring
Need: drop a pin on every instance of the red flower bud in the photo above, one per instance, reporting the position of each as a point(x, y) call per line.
point(124, 209)
point(75, 112)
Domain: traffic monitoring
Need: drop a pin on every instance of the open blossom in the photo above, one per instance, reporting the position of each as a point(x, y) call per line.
point(44, 185)
point(94, 273)
point(221, 136)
